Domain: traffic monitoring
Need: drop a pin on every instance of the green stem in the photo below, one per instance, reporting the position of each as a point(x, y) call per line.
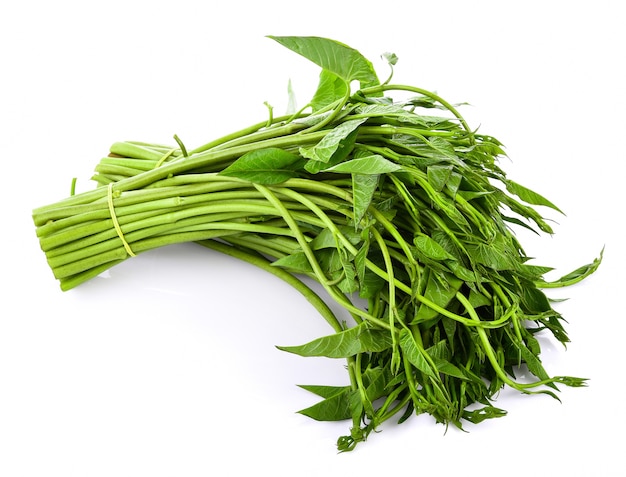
point(399, 87)
point(217, 159)
point(246, 132)
point(393, 312)
point(491, 356)
point(317, 270)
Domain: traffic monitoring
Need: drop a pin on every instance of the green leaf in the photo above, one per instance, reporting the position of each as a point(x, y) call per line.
point(399, 114)
point(430, 248)
point(442, 148)
point(297, 262)
point(534, 299)
point(446, 367)
point(327, 238)
point(371, 285)
point(376, 381)
point(360, 260)
point(524, 211)
point(448, 207)
point(414, 353)
point(478, 299)
point(349, 283)
point(461, 272)
point(440, 291)
point(533, 363)
point(329, 261)
point(529, 196)
point(492, 256)
point(478, 415)
point(516, 221)
point(449, 327)
point(391, 58)
point(438, 175)
point(264, 166)
point(374, 164)
point(329, 89)
point(324, 150)
point(440, 356)
point(324, 391)
point(333, 408)
point(536, 271)
point(363, 189)
point(439, 350)
point(334, 56)
point(359, 339)
point(454, 182)
point(576, 276)
point(531, 342)
point(471, 195)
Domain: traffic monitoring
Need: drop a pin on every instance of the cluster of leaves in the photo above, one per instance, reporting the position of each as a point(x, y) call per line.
point(406, 212)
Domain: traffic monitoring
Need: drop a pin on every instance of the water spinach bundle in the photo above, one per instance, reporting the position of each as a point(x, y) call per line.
point(383, 195)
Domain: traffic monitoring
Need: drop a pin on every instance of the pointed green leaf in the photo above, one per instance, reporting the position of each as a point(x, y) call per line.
point(329, 144)
point(438, 175)
point(376, 381)
point(327, 238)
point(461, 272)
point(324, 391)
point(454, 182)
point(440, 356)
point(533, 363)
point(449, 327)
point(330, 260)
point(576, 276)
point(333, 408)
point(349, 283)
point(374, 164)
point(471, 195)
point(359, 339)
point(516, 221)
point(360, 261)
point(264, 166)
point(524, 211)
point(430, 248)
point(438, 350)
point(478, 415)
point(414, 353)
point(446, 367)
point(478, 299)
point(529, 196)
point(536, 271)
point(329, 89)
point(534, 300)
point(531, 342)
point(442, 147)
point(297, 262)
point(491, 256)
point(400, 114)
point(580, 273)
point(391, 58)
point(440, 292)
point(363, 188)
point(334, 56)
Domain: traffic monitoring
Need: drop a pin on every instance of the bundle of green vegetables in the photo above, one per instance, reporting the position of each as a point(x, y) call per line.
point(404, 218)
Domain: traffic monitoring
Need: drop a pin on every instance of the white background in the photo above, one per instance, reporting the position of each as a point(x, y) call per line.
point(168, 367)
